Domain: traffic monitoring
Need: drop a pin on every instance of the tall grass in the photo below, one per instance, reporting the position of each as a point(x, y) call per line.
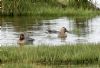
point(65, 54)
point(14, 7)
point(44, 7)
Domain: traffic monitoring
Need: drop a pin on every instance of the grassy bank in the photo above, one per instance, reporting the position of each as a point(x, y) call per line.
point(66, 54)
point(48, 8)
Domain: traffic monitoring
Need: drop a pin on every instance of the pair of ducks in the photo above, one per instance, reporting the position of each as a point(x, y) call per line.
point(61, 34)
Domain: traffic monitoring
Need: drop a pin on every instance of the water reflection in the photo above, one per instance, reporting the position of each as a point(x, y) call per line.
point(81, 30)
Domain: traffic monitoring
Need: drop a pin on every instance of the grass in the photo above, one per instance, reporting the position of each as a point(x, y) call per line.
point(27, 65)
point(65, 12)
point(48, 8)
point(65, 54)
point(56, 11)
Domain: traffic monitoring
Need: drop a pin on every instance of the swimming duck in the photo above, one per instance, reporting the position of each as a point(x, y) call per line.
point(21, 40)
point(54, 31)
point(62, 32)
point(25, 39)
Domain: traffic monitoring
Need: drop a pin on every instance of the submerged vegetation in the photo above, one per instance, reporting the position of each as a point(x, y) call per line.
point(47, 7)
point(65, 54)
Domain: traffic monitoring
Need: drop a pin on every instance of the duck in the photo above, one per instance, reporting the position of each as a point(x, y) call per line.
point(25, 39)
point(62, 32)
point(21, 40)
point(55, 31)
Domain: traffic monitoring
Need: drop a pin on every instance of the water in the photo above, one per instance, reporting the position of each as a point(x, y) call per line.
point(81, 30)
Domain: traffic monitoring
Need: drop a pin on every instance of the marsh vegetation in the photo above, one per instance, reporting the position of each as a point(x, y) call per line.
point(65, 54)
point(48, 7)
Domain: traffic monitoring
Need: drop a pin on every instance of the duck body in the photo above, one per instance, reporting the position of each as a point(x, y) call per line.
point(52, 31)
point(62, 33)
point(28, 39)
